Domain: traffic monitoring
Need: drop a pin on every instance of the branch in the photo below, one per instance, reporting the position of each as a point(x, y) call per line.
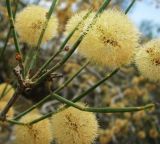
point(49, 96)
point(130, 6)
point(11, 17)
point(9, 104)
point(104, 109)
point(92, 109)
point(74, 100)
point(8, 34)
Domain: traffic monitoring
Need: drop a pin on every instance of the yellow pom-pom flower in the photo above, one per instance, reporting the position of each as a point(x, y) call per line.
point(7, 90)
point(30, 22)
point(141, 134)
point(148, 60)
point(153, 133)
point(73, 126)
point(110, 42)
point(39, 133)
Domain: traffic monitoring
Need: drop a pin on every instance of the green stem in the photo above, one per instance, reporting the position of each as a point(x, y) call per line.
point(72, 77)
point(102, 8)
point(15, 122)
point(104, 109)
point(92, 109)
point(130, 6)
point(31, 64)
point(95, 86)
point(42, 118)
point(49, 14)
point(11, 17)
point(3, 92)
point(27, 62)
point(8, 34)
point(7, 107)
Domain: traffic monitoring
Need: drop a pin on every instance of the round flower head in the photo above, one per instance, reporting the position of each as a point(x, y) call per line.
point(38, 133)
point(73, 126)
point(11, 111)
point(110, 42)
point(30, 22)
point(148, 60)
point(7, 90)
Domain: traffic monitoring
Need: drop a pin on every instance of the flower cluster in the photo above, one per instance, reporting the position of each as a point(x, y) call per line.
point(68, 126)
point(111, 41)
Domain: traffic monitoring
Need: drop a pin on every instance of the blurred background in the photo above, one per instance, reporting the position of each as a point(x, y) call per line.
point(127, 88)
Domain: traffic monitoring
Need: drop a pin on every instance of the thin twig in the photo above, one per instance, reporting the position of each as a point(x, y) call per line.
point(11, 18)
point(104, 109)
point(9, 33)
point(4, 91)
point(92, 109)
point(70, 79)
point(9, 104)
point(15, 122)
point(130, 6)
point(96, 85)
